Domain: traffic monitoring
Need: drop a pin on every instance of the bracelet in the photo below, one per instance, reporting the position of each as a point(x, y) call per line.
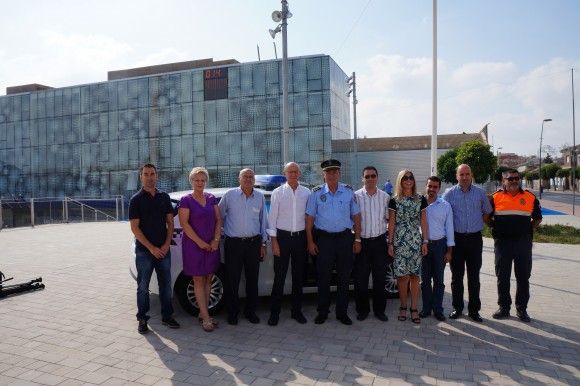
point(357, 240)
point(425, 241)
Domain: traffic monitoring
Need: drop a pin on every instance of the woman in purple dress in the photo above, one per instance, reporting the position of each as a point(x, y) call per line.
point(201, 222)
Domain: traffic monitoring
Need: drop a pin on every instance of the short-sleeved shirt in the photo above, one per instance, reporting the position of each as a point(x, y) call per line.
point(374, 212)
point(332, 212)
point(468, 208)
point(152, 213)
point(513, 215)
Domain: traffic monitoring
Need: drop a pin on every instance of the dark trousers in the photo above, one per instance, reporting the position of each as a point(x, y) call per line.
point(291, 247)
point(334, 249)
point(467, 254)
point(518, 250)
point(242, 254)
point(146, 263)
point(373, 259)
point(433, 268)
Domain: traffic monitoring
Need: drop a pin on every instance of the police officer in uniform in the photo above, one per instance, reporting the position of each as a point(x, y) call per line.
point(516, 213)
point(332, 214)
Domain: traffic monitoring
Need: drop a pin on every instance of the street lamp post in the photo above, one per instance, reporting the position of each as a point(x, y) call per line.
point(540, 169)
point(283, 16)
point(351, 83)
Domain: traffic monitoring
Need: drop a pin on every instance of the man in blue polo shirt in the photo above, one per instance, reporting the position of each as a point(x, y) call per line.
point(471, 208)
point(151, 219)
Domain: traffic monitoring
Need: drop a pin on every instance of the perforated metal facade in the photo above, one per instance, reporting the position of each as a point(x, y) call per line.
point(89, 140)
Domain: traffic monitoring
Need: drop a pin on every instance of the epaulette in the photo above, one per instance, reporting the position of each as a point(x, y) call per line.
point(317, 188)
point(348, 186)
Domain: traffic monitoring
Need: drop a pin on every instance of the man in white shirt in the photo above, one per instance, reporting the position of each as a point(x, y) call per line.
point(287, 219)
point(373, 258)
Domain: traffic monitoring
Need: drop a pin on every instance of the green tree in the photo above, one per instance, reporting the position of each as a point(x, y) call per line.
point(548, 172)
point(565, 174)
point(478, 156)
point(446, 165)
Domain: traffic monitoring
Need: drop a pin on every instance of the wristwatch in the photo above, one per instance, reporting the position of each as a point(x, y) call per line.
point(357, 240)
point(425, 241)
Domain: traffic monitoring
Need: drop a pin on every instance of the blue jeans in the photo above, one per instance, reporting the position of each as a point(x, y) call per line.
point(433, 266)
point(146, 263)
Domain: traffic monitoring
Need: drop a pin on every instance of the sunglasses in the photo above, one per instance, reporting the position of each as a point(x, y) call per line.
point(410, 178)
point(372, 176)
point(510, 179)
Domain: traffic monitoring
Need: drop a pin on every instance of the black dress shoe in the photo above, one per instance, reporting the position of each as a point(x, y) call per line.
point(320, 318)
point(455, 314)
point(170, 322)
point(232, 320)
point(501, 313)
point(362, 316)
point(142, 328)
point(424, 314)
point(273, 321)
point(523, 315)
point(440, 317)
point(476, 317)
point(382, 317)
point(299, 317)
point(344, 319)
point(252, 318)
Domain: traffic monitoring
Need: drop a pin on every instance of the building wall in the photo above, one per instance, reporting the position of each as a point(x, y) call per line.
point(388, 164)
point(90, 140)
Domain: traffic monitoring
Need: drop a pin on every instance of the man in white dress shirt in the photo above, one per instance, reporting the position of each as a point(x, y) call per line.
point(373, 258)
point(287, 219)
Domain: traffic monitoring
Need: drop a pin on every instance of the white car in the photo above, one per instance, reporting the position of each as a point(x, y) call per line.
point(182, 285)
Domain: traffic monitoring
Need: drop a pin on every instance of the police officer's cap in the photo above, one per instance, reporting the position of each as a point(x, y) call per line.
point(330, 164)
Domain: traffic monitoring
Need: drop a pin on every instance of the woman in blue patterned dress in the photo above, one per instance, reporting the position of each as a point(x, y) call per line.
point(407, 222)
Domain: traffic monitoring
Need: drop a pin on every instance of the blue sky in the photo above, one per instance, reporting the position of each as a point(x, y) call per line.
point(503, 62)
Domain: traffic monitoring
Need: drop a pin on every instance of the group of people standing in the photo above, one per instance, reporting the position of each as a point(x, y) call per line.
point(352, 232)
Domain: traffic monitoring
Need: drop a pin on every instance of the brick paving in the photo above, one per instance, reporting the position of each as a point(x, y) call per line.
point(81, 329)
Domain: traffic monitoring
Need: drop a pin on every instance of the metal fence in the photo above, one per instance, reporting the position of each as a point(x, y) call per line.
point(46, 210)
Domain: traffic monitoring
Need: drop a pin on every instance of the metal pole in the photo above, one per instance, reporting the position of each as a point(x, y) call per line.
point(355, 148)
point(32, 212)
point(82, 212)
point(123, 207)
point(1, 218)
point(117, 208)
point(574, 162)
point(540, 168)
point(434, 122)
point(284, 82)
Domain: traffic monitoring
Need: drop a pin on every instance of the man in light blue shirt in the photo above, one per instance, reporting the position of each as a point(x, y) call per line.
point(245, 222)
point(471, 208)
point(388, 187)
point(441, 242)
point(332, 213)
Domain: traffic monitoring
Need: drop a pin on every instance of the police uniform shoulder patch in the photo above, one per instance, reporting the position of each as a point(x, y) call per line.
point(317, 188)
point(348, 186)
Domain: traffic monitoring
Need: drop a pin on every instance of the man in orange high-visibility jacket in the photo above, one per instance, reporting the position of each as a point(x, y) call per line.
point(516, 213)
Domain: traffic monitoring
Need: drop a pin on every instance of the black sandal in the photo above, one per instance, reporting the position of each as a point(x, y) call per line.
point(416, 320)
point(402, 318)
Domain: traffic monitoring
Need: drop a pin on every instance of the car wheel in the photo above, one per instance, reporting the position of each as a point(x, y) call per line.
point(185, 293)
point(391, 285)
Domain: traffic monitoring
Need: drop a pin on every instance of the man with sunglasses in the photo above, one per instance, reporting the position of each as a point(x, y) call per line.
point(471, 208)
point(516, 214)
point(373, 258)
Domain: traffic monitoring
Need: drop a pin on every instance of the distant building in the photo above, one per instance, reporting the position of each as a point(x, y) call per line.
point(568, 156)
point(392, 154)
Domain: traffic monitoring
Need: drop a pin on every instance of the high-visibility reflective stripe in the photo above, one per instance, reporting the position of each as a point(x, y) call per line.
point(513, 212)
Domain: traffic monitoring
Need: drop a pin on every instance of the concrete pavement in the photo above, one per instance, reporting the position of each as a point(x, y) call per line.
point(81, 329)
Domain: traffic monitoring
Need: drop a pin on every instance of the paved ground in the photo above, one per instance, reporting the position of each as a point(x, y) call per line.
point(81, 328)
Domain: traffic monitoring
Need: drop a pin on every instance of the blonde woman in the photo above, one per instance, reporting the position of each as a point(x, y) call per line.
point(408, 238)
point(201, 221)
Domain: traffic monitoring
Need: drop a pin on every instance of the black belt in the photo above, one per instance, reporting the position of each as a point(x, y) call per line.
point(468, 234)
point(290, 234)
point(438, 240)
point(246, 239)
point(379, 237)
point(333, 234)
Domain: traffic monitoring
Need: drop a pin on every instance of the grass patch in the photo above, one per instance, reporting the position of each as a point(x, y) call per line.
point(557, 234)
